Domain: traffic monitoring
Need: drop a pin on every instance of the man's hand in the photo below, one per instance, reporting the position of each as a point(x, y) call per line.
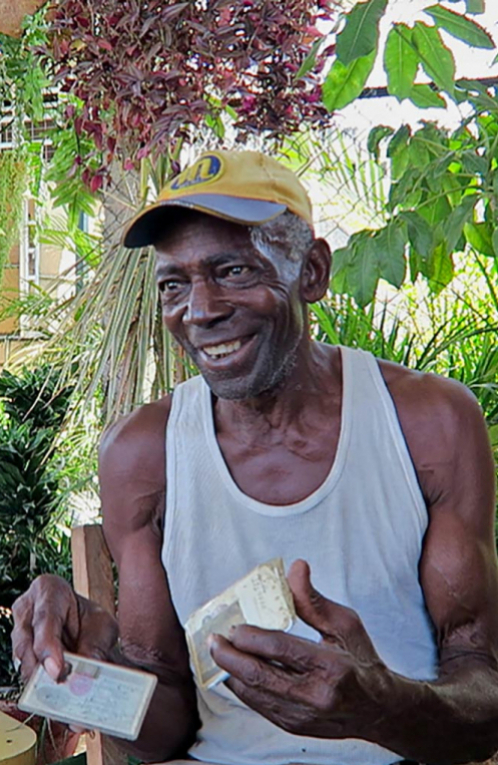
point(50, 618)
point(329, 689)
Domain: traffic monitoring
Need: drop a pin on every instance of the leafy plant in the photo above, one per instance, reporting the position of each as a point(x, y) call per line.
point(148, 74)
point(31, 542)
point(442, 199)
point(408, 50)
point(13, 183)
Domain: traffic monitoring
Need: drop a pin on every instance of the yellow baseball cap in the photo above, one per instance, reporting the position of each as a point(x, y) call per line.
point(244, 187)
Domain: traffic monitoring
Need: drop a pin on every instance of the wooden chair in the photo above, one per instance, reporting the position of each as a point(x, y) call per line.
point(92, 578)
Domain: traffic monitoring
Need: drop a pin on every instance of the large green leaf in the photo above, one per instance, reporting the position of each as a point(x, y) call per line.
point(360, 36)
point(460, 27)
point(442, 269)
point(495, 241)
point(480, 237)
point(453, 225)
point(435, 57)
point(364, 271)
point(345, 83)
point(420, 233)
point(435, 209)
point(341, 260)
point(425, 97)
point(391, 243)
point(401, 61)
point(397, 151)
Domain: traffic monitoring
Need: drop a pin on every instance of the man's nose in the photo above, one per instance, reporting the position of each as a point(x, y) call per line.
point(205, 304)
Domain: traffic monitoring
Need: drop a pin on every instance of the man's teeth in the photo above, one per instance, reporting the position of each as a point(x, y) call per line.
point(218, 351)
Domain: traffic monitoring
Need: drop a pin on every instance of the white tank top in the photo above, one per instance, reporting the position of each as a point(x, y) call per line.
point(361, 532)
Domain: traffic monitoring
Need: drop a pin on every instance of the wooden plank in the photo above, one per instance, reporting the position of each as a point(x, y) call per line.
point(92, 569)
point(92, 578)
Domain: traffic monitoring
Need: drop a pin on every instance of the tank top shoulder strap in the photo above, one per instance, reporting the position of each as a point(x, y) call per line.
point(373, 406)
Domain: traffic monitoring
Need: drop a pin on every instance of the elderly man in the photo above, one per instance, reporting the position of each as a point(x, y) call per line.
point(374, 482)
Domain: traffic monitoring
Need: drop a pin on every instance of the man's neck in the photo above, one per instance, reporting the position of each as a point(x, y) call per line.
point(313, 385)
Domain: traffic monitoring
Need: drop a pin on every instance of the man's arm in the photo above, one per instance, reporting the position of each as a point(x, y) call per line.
point(132, 478)
point(340, 688)
point(50, 617)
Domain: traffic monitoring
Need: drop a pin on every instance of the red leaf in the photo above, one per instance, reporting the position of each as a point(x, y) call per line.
point(96, 183)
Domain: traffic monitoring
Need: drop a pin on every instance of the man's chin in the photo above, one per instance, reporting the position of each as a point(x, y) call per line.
point(234, 389)
point(244, 388)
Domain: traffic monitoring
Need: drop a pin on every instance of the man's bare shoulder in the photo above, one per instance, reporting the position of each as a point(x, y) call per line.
point(132, 468)
point(444, 429)
point(426, 392)
point(135, 434)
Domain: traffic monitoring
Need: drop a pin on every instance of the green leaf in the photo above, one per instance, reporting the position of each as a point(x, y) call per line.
point(418, 152)
point(407, 192)
point(376, 135)
point(364, 271)
point(401, 61)
point(310, 60)
point(420, 233)
point(495, 241)
point(436, 58)
point(435, 210)
point(360, 36)
point(425, 97)
point(442, 269)
point(397, 151)
point(414, 261)
point(473, 163)
point(460, 27)
point(345, 83)
point(341, 259)
point(480, 237)
point(475, 6)
point(390, 243)
point(453, 225)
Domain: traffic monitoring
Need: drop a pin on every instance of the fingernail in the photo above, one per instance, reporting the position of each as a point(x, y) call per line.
point(51, 668)
point(231, 631)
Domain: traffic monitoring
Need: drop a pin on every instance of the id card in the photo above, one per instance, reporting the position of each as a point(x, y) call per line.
point(261, 599)
point(95, 695)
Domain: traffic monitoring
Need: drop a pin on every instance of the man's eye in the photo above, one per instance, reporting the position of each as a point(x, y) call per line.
point(234, 271)
point(170, 285)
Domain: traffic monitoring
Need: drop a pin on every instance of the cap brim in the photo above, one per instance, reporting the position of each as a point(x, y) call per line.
point(148, 225)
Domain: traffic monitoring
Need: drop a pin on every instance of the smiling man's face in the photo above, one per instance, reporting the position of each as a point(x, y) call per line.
point(236, 312)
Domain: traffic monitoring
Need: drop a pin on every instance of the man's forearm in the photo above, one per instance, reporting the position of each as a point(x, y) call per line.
point(452, 720)
point(171, 721)
point(169, 727)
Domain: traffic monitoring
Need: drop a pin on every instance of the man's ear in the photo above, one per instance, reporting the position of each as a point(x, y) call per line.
point(315, 273)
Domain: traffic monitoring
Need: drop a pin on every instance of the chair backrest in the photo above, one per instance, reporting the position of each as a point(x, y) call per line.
point(93, 578)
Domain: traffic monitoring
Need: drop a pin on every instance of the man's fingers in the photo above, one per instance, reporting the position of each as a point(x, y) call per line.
point(332, 620)
point(47, 641)
point(270, 688)
point(22, 639)
point(294, 652)
point(45, 619)
point(253, 672)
